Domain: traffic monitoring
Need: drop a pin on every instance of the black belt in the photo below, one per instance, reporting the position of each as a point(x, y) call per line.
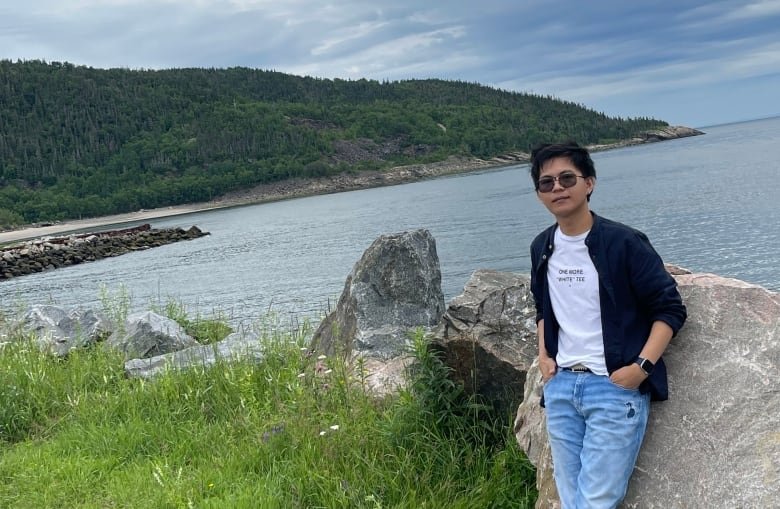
point(577, 368)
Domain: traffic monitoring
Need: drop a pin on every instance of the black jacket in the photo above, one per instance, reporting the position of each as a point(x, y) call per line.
point(635, 290)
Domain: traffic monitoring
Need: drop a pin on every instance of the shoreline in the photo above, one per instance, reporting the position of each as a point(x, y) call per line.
point(277, 191)
point(302, 187)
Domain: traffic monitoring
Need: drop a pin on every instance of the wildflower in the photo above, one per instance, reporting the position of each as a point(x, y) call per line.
point(328, 371)
point(322, 357)
point(335, 427)
point(301, 375)
point(322, 433)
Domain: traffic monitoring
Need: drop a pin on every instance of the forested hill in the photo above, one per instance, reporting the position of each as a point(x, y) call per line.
point(77, 141)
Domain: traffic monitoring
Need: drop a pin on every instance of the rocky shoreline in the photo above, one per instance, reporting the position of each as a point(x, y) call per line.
point(51, 253)
point(302, 187)
point(297, 188)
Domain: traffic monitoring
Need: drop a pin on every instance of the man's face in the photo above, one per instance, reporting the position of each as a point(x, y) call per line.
point(564, 201)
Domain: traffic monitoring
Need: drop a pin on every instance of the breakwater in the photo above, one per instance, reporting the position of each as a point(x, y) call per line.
point(49, 253)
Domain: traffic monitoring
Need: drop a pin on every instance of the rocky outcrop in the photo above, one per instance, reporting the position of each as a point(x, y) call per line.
point(715, 442)
point(237, 347)
point(58, 330)
point(151, 344)
point(487, 336)
point(148, 334)
point(49, 253)
point(393, 288)
point(652, 136)
point(668, 133)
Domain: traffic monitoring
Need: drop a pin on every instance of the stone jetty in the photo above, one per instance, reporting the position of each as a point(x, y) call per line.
point(49, 253)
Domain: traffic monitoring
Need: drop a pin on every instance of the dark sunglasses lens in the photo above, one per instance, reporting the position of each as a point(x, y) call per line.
point(546, 185)
point(568, 179)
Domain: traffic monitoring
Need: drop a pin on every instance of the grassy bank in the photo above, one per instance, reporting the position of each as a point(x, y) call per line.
point(293, 431)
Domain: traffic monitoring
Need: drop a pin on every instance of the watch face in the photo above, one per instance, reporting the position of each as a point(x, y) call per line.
point(646, 366)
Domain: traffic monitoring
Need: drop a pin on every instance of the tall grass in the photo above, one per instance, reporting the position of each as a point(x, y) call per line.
point(295, 431)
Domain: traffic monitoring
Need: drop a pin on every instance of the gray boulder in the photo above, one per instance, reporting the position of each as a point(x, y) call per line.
point(236, 347)
point(393, 288)
point(58, 330)
point(715, 442)
point(487, 336)
point(148, 334)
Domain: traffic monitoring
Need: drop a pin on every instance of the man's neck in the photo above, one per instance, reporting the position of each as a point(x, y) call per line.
point(577, 224)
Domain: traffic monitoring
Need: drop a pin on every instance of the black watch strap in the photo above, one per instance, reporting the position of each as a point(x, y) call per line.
point(645, 364)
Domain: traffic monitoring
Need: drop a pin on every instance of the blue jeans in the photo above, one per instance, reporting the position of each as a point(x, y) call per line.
point(595, 429)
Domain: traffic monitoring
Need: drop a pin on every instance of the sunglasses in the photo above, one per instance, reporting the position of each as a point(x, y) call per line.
point(567, 179)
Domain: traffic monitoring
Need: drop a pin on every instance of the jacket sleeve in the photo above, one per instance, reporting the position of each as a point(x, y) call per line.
point(536, 285)
point(654, 287)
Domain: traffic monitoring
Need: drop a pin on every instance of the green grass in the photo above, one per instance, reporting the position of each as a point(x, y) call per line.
point(295, 431)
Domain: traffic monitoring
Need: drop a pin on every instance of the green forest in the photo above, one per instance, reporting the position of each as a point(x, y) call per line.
point(77, 141)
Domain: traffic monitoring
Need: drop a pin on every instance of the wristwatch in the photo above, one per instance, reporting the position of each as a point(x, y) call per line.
point(645, 364)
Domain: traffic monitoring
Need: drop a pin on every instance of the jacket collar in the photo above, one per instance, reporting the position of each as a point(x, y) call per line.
point(591, 240)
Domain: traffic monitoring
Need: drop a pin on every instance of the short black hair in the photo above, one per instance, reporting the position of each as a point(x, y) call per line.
point(579, 157)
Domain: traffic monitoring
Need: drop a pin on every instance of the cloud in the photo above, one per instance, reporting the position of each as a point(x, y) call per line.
point(610, 52)
point(755, 10)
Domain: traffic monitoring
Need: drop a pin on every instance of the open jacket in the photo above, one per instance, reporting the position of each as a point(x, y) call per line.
point(635, 290)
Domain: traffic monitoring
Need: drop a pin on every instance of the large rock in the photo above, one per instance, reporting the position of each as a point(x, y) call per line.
point(393, 288)
point(236, 347)
point(488, 336)
point(716, 441)
point(58, 330)
point(148, 334)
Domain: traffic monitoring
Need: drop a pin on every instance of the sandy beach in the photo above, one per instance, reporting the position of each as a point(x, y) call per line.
point(96, 222)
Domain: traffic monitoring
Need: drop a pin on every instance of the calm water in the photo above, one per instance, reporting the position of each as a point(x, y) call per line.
point(708, 203)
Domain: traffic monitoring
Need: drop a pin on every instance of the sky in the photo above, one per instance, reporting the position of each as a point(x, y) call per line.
point(692, 63)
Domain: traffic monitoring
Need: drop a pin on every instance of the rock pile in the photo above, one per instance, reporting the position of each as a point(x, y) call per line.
point(54, 252)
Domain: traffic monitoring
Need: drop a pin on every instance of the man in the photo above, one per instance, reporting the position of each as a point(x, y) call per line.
point(606, 310)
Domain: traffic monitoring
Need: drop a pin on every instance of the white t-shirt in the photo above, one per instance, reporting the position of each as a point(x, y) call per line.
point(574, 292)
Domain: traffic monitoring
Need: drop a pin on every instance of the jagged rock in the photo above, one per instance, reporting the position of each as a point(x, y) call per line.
point(670, 133)
point(58, 330)
point(148, 334)
point(236, 347)
point(393, 288)
point(488, 336)
point(715, 442)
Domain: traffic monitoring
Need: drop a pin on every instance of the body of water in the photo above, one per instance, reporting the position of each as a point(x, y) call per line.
point(708, 203)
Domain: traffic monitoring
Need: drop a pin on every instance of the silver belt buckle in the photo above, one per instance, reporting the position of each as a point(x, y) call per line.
point(579, 368)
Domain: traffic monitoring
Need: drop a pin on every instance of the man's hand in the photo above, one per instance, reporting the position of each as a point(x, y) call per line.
point(628, 377)
point(547, 366)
